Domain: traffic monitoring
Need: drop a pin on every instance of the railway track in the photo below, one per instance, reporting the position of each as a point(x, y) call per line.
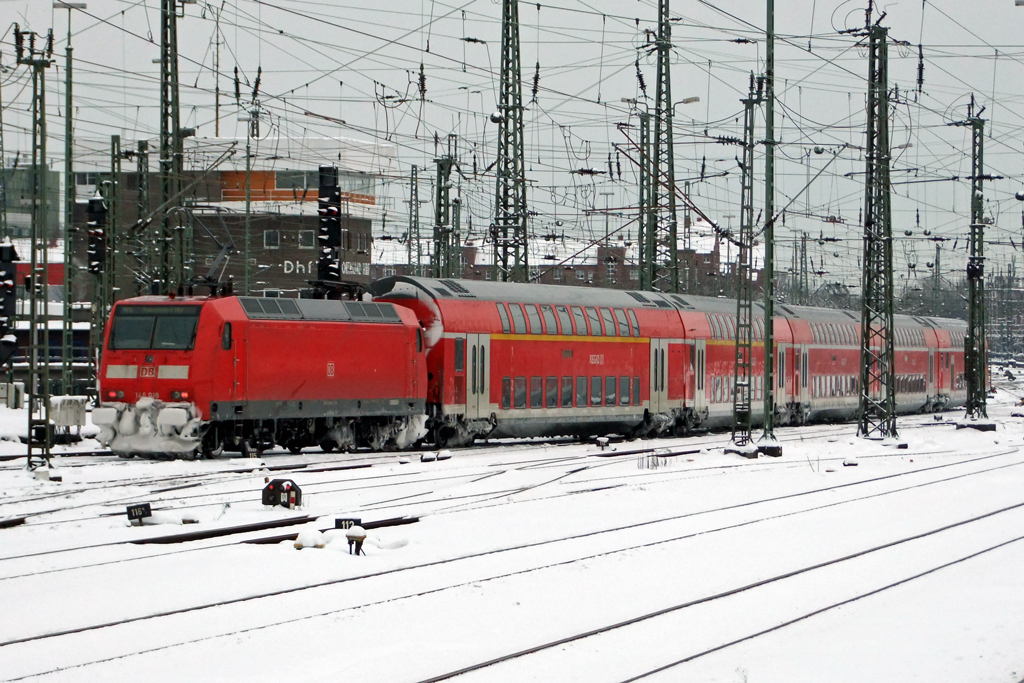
point(617, 549)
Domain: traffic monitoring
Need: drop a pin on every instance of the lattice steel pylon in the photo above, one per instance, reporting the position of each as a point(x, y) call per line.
point(446, 260)
point(743, 367)
point(662, 262)
point(877, 410)
point(170, 250)
point(645, 220)
point(38, 388)
point(413, 246)
point(975, 351)
point(508, 231)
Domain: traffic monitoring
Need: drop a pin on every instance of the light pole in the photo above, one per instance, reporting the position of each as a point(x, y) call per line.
point(67, 343)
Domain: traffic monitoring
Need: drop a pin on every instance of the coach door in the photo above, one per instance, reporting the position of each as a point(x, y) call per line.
point(659, 375)
point(931, 374)
point(478, 380)
point(699, 366)
point(800, 374)
point(781, 376)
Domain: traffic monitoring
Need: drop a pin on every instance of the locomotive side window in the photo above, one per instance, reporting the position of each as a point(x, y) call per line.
point(581, 392)
point(634, 323)
point(550, 326)
point(155, 327)
point(503, 314)
point(609, 322)
point(225, 340)
point(536, 392)
point(551, 392)
point(636, 391)
point(518, 319)
point(620, 317)
point(520, 392)
point(564, 319)
point(595, 322)
point(506, 393)
point(581, 321)
point(460, 355)
point(531, 313)
point(567, 392)
point(595, 391)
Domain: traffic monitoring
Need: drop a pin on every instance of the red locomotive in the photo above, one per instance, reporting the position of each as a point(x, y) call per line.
point(200, 374)
point(533, 360)
point(455, 360)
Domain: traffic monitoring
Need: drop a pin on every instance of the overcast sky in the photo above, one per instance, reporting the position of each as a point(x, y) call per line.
point(361, 66)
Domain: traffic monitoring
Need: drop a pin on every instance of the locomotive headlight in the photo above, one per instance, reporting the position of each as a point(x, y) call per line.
point(175, 395)
point(115, 394)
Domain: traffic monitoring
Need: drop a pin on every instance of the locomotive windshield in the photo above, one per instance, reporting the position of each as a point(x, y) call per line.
point(171, 328)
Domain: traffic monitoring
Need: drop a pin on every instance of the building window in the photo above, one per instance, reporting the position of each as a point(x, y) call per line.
point(609, 272)
point(634, 274)
point(389, 271)
point(580, 275)
point(307, 239)
point(271, 293)
point(271, 239)
point(556, 274)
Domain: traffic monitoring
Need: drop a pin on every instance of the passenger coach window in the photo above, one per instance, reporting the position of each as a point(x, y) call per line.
point(531, 313)
point(518, 319)
point(536, 392)
point(520, 392)
point(225, 342)
point(551, 327)
point(551, 392)
point(503, 314)
point(636, 391)
point(624, 391)
point(620, 317)
point(595, 391)
point(609, 322)
point(595, 322)
point(506, 393)
point(567, 392)
point(580, 320)
point(564, 320)
point(609, 391)
point(634, 323)
point(581, 392)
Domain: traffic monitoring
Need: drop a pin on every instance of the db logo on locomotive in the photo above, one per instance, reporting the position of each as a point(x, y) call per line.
point(147, 371)
point(330, 369)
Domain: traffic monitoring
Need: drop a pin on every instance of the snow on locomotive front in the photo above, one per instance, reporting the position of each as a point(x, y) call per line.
point(181, 376)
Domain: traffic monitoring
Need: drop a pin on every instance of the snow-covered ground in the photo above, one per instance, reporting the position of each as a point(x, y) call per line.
point(843, 560)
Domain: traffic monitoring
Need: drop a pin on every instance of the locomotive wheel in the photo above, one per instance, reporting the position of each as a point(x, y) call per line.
point(294, 448)
point(328, 446)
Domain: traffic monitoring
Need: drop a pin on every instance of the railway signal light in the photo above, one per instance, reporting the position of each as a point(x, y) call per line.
point(329, 235)
point(8, 299)
point(97, 244)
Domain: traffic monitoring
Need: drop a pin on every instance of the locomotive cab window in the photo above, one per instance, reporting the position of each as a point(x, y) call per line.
point(225, 341)
point(170, 328)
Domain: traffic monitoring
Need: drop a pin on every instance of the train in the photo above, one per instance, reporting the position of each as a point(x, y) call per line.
point(445, 362)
